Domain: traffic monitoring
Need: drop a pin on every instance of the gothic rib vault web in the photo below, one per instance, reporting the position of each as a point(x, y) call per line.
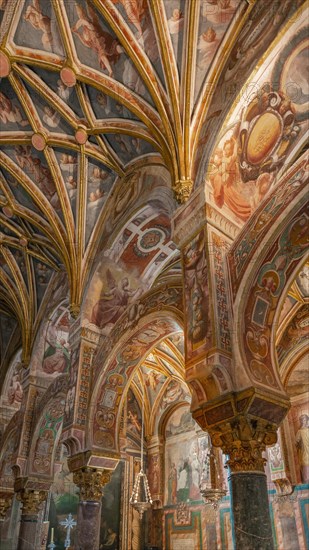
point(91, 92)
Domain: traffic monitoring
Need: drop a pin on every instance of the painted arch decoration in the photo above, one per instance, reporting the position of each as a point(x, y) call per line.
point(275, 268)
point(112, 381)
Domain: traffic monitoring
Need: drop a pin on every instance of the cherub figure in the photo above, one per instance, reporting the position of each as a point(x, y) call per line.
point(135, 10)
point(10, 113)
point(90, 33)
point(40, 22)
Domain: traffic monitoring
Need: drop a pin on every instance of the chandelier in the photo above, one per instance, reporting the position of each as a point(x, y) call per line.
point(211, 487)
point(141, 497)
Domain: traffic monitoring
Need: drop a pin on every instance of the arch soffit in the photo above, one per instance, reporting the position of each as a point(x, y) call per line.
point(118, 371)
point(292, 327)
point(50, 409)
point(164, 301)
point(9, 448)
point(292, 360)
point(14, 364)
point(115, 249)
point(160, 425)
point(249, 69)
point(269, 258)
point(152, 410)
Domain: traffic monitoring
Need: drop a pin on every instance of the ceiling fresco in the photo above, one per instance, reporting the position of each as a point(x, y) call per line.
point(153, 267)
point(263, 129)
point(104, 111)
point(159, 380)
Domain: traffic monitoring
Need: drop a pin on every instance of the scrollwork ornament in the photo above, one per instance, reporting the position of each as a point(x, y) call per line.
point(5, 504)
point(267, 129)
point(91, 483)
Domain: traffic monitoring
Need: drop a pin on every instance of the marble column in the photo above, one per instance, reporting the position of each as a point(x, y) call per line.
point(243, 424)
point(250, 508)
point(249, 495)
point(31, 501)
point(90, 482)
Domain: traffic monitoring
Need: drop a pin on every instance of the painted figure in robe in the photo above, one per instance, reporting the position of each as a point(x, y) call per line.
point(90, 33)
point(302, 444)
point(113, 302)
point(56, 357)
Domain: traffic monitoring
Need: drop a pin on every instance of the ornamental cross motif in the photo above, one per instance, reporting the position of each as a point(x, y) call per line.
point(69, 523)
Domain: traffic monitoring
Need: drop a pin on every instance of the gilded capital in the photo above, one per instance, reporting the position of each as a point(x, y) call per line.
point(182, 190)
point(74, 310)
point(5, 504)
point(31, 501)
point(244, 440)
point(243, 424)
point(91, 483)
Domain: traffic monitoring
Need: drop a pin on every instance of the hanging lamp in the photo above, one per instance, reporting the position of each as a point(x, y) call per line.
point(141, 497)
point(211, 485)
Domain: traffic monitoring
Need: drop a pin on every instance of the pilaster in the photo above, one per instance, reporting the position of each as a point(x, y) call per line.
point(155, 470)
point(84, 344)
point(31, 393)
point(204, 236)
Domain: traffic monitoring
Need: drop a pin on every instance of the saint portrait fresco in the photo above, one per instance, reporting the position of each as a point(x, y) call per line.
point(185, 458)
point(56, 358)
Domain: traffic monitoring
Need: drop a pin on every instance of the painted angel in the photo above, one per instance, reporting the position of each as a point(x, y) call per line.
point(207, 46)
point(15, 391)
point(176, 22)
point(220, 13)
point(40, 22)
point(90, 33)
point(153, 379)
point(51, 117)
point(10, 113)
point(135, 10)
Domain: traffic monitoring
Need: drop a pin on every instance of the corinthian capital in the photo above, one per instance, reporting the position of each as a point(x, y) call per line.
point(91, 482)
point(31, 501)
point(243, 424)
point(244, 440)
point(5, 504)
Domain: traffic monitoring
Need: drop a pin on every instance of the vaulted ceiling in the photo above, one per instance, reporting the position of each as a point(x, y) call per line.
point(92, 92)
